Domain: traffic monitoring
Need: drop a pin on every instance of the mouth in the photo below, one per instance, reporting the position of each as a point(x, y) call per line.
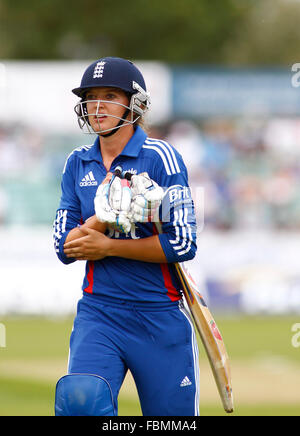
point(99, 118)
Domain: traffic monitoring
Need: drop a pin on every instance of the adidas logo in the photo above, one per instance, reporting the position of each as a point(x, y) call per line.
point(89, 180)
point(185, 382)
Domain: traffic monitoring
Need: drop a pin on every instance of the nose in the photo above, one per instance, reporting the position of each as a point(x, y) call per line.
point(96, 106)
point(100, 106)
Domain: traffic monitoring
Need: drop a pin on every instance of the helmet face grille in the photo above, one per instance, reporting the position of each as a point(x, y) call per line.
point(83, 117)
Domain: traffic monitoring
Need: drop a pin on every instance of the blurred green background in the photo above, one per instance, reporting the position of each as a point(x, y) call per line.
point(265, 368)
point(225, 92)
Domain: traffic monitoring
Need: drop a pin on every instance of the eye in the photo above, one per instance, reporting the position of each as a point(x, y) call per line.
point(90, 97)
point(110, 96)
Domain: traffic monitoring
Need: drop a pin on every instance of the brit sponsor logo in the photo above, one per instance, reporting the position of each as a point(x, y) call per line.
point(179, 193)
point(89, 180)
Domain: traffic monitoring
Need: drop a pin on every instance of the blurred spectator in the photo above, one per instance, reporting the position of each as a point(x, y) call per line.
point(20, 151)
point(186, 137)
point(248, 170)
point(3, 206)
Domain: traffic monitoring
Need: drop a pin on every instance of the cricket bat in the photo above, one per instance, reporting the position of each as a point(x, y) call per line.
point(210, 336)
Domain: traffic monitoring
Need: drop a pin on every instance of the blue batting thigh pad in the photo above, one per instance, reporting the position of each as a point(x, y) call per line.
point(83, 395)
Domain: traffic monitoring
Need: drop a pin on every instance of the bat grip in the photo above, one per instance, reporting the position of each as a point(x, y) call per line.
point(119, 173)
point(127, 176)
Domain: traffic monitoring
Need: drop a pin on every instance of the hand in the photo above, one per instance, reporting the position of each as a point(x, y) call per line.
point(93, 246)
point(143, 211)
point(112, 203)
point(147, 197)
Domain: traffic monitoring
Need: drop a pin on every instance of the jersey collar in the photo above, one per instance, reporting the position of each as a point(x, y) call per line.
point(135, 143)
point(131, 149)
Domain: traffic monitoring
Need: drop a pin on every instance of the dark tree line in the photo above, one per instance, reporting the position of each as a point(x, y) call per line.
point(228, 32)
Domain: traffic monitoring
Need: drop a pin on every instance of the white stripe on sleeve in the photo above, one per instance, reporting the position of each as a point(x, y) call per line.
point(168, 153)
point(159, 151)
point(59, 227)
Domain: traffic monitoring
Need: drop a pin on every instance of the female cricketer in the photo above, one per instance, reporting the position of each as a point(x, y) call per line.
point(131, 315)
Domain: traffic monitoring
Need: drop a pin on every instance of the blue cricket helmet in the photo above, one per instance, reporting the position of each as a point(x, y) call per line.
point(111, 71)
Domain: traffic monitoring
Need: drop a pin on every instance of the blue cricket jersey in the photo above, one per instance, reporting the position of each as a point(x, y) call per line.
point(117, 277)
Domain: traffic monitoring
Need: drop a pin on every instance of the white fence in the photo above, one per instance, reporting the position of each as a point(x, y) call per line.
point(39, 93)
point(261, 269)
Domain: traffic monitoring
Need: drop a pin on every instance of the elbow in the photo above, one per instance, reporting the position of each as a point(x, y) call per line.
point(59, 249)
point(188, 253)
point(182, 251)
point(64, 259)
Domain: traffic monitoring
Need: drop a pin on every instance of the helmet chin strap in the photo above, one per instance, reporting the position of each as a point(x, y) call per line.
point(120, 123)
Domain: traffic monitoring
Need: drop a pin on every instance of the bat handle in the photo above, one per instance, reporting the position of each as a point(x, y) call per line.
point(118, 172)
point(127, 176)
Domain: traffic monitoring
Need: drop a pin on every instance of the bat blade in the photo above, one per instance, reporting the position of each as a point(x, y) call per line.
point(210, 336)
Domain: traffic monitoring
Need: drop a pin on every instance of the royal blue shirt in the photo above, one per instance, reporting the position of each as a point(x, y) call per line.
point(118, 277)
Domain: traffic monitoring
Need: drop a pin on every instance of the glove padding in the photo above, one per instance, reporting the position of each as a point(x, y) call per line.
point(112, 204)
point(146, 198)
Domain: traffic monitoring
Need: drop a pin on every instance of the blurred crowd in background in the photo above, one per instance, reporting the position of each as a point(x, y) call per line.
point(249, 170)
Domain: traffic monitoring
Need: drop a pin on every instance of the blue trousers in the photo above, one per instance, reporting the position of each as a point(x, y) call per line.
point(156, 342)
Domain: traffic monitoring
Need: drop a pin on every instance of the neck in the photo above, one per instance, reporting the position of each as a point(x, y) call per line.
point(113, 145)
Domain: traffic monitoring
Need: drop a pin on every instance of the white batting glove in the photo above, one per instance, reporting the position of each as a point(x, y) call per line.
point(146, 198)
point(112, 204)
point(119, 195)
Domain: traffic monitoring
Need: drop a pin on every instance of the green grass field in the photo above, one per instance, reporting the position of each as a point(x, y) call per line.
point(265, 368)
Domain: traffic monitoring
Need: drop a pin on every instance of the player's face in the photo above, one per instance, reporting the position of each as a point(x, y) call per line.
point(105, 107)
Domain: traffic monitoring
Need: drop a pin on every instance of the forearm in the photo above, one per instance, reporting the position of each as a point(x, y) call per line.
point(91, 223)
point(144, 249)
